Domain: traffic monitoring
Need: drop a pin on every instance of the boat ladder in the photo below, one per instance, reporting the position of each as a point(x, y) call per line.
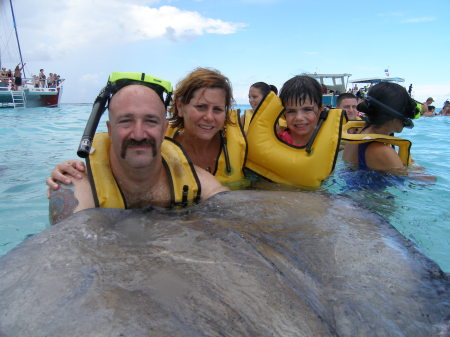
point(18, 99)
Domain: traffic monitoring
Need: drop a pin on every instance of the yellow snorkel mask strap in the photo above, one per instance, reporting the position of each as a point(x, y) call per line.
point(116, 81)
point(163, 88)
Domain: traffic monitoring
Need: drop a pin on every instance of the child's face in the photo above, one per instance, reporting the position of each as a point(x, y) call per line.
point(302, 118)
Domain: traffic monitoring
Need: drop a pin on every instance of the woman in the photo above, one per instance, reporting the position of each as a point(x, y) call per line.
point(203, 124)
point(388, 109)
point(256, 94)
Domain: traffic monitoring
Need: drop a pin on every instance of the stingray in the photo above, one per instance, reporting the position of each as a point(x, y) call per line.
point(243, 263)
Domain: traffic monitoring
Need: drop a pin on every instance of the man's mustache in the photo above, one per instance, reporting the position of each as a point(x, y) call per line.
point(144, 142)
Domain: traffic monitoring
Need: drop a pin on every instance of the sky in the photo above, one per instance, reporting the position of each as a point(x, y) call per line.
point(247, 40)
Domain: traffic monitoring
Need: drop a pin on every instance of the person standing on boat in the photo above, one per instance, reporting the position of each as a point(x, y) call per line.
point(50, 80)
point(42, 78)
point(18, 76)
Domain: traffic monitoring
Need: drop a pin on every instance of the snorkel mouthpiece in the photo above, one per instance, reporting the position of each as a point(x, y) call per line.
point(98, 108)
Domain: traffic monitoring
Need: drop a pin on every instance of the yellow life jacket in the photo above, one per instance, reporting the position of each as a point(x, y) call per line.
point(184, 185)
point(248, 117)
point(230, 162)
point(272, 158)
point(404, 145)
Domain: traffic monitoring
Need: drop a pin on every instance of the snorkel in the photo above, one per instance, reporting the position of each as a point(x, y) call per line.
point(98, 108)
point(116, 81)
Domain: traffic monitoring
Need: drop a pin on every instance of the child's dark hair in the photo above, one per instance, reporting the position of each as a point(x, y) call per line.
point(392, 95)
point(299, 88)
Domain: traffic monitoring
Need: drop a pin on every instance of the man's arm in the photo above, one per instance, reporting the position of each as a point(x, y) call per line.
point(69, 199)
point(210, 185)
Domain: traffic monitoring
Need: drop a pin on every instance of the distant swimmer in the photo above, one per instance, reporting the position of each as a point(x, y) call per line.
point(430, 112)
point(426, 104)
point(445, 109)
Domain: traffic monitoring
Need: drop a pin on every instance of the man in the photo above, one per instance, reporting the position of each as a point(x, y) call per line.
point(348, 102)
point(136, 128)
point(426, 103)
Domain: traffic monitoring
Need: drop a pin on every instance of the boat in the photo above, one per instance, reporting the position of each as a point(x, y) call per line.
point(375, 80)
point(366, 83)
point(332, 86)
point(32, 93)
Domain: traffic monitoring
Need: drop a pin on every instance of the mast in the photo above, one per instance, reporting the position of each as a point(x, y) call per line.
point(17, 36)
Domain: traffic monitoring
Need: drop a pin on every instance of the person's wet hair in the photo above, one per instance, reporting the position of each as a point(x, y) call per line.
point(299, 88)
point(394, 96)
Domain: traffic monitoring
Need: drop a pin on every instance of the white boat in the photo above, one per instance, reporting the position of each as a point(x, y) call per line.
point(375, 80)
point(32, 93)
point(332, 86)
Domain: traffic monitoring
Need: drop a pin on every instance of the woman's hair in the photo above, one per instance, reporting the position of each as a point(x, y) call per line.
point(199, 78)
point(265, 88)
point(299, 88)
point(391, 94)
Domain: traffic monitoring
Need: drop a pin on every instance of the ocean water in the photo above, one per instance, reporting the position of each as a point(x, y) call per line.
point(32, 141)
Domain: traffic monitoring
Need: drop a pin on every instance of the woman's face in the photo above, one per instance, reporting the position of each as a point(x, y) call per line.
point(301, 119)
point(397, 125)
point(204, 116)
point(255, 97)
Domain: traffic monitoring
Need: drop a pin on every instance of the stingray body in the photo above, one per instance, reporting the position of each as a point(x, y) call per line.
point(246, 263)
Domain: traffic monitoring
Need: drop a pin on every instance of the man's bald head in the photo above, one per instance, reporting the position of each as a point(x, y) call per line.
point(136, 95)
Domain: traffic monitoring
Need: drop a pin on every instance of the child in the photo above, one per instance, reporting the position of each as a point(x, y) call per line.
point(301, 97)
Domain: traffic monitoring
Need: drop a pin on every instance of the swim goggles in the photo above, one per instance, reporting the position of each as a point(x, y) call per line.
point(116, 81)
point(407, 122)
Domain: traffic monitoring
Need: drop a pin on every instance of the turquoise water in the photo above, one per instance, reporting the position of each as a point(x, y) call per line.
point(34, 140)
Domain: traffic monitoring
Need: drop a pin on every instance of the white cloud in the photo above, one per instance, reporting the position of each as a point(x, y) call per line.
point(89, 78)
point(440, 92)
point(419, 20)
point(174, 23)
point(57, 29)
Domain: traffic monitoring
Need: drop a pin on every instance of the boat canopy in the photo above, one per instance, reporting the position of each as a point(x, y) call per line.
point(374, 80)
point(336, 83)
